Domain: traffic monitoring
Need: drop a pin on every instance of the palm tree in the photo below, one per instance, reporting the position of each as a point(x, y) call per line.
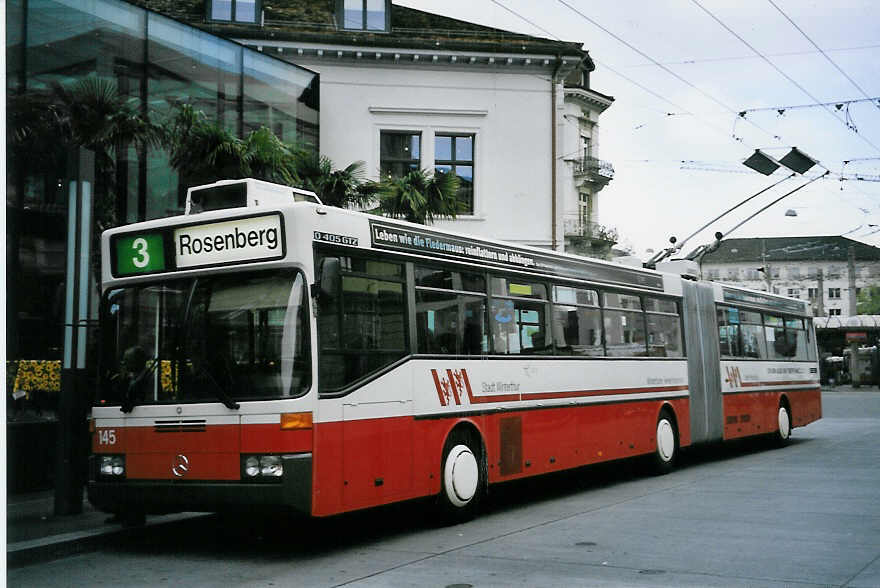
point(200, 150)
point(90, 113)
point(267, 157)
point(420, 197)
point(101, 119)
point(343, 188)
point(203, 151)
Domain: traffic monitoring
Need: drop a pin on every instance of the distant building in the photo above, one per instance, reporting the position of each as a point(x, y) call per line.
point(512, 115)
point(813, 268)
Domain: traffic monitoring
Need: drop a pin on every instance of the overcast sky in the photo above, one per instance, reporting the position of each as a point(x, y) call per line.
point(680, 72)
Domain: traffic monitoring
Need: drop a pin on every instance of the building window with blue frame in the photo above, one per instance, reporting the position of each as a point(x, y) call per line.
point(364, 15)
point(233, 10)
point(455, 154)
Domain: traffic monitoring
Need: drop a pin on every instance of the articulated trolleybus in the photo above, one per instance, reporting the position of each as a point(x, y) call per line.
point(264, 350)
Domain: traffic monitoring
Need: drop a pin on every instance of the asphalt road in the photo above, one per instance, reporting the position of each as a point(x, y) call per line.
point(743, 515)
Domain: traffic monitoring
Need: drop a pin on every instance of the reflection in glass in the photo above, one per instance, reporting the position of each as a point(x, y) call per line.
point(61, 43)
point(624, 333)
point(215, 338)
point(221, 9)
point(375, 15)
point(442, 147)
point(246, 10)
point(464, 148)
point(398, 153)
point(353, 15)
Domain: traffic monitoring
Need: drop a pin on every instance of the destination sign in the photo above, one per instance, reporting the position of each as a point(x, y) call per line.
point(140, 254)
point(240, 240)
point(257, 238)
point(388, 236)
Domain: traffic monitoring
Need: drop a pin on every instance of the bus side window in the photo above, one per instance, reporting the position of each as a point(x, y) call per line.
point(577, 321)
point(624, 325)
point(728, 332)
point(752, 331)
point(362, 329)
point(778, 344)
point(797, 338)
point(450, 312)
point(664, 327)
point(519, 315)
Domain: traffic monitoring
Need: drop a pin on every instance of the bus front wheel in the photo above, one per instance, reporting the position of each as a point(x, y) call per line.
point(666, 451)
point(463, 479)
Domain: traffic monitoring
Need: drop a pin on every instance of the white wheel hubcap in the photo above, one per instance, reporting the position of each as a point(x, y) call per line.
point(461, 475)
point(665, 440)
point(784, 423)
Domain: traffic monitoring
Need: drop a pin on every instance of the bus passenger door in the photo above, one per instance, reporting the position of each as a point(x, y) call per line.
point(703, 355)
point(377, 440)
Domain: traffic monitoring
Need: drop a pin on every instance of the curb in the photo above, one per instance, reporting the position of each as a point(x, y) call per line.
point(46, 549)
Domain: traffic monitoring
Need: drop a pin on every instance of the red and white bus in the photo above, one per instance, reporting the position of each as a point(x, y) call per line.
point(266, 350)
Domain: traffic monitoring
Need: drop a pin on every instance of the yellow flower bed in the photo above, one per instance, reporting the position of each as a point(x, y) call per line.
point(33, 375)
point(165, 377)
point(38, 374)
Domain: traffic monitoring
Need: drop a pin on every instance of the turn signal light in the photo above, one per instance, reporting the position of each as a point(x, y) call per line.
point(296, 420)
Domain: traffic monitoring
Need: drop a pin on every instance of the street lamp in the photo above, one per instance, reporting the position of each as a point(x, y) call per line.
point(761, 163)
point(797, 161)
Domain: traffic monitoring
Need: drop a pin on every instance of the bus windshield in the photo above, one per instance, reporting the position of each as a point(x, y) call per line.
point(228, 337)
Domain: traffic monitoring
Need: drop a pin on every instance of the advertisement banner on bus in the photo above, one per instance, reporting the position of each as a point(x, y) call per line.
point(387, 236)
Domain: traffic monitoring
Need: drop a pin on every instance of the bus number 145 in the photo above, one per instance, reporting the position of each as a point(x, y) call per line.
point(107, 437)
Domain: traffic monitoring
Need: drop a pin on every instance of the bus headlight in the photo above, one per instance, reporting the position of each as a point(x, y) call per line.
point(261, 467)
point(252, 467)
point(270, 465)
point(111, 465)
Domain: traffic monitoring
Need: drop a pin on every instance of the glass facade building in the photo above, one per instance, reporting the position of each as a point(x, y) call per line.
point(151, 63)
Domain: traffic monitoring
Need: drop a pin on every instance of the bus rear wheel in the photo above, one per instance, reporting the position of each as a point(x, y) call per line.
point(783, 417)
point(666, 452)
point(463, 479)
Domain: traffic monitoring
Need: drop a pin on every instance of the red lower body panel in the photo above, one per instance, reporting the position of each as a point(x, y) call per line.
point(369, 462)
point(212, 452)
point(755, 413)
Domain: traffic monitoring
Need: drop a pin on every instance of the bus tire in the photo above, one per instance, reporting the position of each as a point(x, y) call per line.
point(783, 421)
point(463, 479)
point(666, 450)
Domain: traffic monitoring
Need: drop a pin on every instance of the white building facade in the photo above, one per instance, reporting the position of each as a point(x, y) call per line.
point(512, 115)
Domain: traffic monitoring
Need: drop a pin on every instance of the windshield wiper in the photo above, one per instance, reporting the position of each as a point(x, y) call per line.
point(222, 395)
point(128, 400)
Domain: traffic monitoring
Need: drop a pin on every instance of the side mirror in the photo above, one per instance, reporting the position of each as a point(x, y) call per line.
point(326, 286)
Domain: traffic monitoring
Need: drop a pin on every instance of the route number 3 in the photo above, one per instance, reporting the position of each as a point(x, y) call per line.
point(142, 259)
point(107, 437)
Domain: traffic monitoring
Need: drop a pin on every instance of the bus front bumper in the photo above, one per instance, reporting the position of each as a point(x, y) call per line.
point(293, 492)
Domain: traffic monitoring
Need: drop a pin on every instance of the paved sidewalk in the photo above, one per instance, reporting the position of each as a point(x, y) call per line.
point(34, 533)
